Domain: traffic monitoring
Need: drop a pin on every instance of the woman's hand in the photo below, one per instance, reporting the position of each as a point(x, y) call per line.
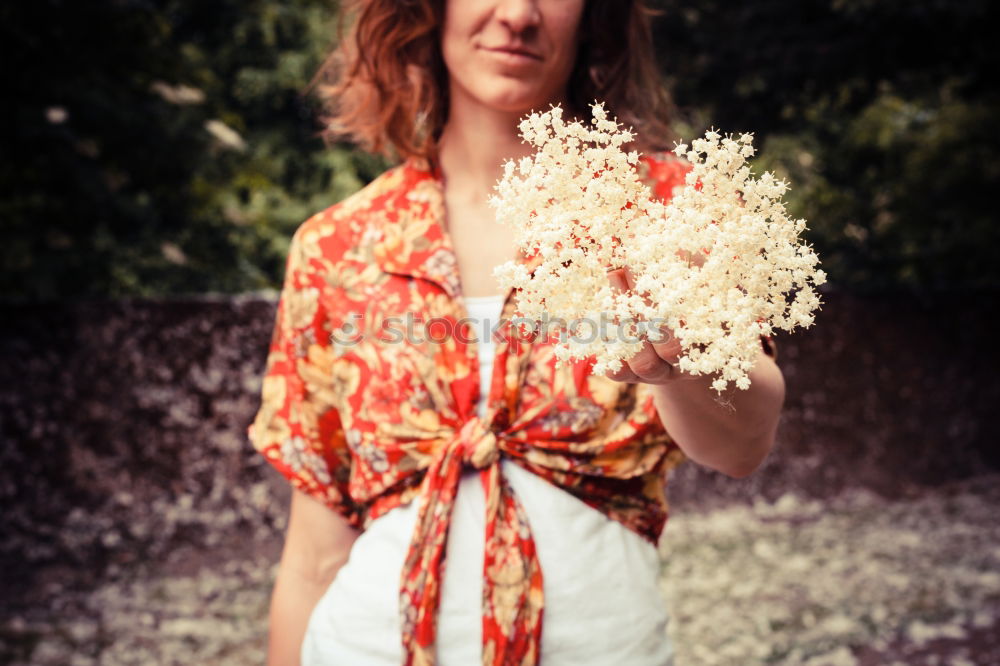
point(732, 439)
point(656, 362)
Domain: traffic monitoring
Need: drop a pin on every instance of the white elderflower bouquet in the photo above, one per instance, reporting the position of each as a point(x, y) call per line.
point(719, 265)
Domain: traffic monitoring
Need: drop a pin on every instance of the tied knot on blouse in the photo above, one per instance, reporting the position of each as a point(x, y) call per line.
point(512, 575)
point(479, 444)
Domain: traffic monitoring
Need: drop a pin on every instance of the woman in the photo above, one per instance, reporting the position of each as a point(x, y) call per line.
point(541, 488)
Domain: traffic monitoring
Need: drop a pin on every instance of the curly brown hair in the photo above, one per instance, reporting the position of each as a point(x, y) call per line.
point(385, 86)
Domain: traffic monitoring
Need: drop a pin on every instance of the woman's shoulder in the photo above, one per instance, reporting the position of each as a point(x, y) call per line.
point(391, 181)
point(342, 225)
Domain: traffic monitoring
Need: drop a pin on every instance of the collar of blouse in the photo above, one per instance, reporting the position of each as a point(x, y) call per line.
point(420, 216)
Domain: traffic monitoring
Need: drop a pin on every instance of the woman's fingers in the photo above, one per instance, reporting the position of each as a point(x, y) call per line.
point(624, 374)
point(668, 349)
point(648, 367)
point(652, 362)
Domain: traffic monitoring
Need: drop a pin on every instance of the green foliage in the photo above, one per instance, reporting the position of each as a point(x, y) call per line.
point(901, 198)
point(161, 147)
point(879, 113)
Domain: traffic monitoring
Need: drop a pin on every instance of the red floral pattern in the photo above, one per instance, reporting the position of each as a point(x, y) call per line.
point(365, 423)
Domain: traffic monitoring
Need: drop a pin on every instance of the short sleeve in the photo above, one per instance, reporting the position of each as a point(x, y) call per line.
point(298, 428)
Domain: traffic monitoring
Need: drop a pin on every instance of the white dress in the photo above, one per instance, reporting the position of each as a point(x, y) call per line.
point(602, 601)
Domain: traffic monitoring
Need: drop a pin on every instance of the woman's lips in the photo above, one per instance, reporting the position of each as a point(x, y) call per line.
point(514, 56)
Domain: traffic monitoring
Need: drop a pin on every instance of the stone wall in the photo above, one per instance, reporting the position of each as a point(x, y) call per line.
point(123, 425)
point(889, 394)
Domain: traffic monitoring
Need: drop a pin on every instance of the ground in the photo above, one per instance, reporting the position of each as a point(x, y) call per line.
point(854, 580)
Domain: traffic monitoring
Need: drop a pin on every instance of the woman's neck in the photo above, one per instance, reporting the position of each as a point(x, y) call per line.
point(476, 141)
point(473, 147)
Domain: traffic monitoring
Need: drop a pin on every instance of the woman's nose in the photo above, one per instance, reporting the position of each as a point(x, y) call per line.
point(518, 15)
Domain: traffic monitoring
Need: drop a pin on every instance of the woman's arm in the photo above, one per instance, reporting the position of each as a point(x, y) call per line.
point(317, 543)
point(733, 439)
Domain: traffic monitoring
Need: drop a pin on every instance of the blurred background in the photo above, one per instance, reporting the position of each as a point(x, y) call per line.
point(155, 158)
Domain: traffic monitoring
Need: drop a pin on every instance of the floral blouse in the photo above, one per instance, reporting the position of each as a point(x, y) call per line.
point(369, 401)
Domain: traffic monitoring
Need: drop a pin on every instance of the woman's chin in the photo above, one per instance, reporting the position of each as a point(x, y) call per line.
point(519, 102)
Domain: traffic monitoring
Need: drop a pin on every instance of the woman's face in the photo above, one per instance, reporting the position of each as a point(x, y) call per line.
point(510, 55)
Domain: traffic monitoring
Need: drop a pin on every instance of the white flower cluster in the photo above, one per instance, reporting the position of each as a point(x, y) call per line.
point(719, 265)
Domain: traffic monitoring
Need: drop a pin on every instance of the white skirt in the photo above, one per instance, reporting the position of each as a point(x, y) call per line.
point(603, 604)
